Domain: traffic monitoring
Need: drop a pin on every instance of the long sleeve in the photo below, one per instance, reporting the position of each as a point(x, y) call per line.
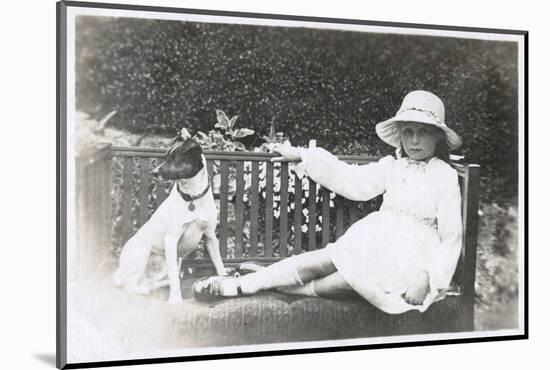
point(449, 227)
point(359, 183)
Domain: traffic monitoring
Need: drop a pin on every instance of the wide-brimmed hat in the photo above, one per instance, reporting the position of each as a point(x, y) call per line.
point(422, 107)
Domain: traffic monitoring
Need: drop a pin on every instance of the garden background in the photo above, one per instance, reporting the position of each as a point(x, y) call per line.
point(332, 86)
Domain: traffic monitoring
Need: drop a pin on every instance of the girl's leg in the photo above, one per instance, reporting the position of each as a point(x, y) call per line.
point(295, 270)
point(329, 286)
point(313, 265)
point(332, 285)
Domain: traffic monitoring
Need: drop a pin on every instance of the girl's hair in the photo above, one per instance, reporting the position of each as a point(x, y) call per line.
point(441, 150)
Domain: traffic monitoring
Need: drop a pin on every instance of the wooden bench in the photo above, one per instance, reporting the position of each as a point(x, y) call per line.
point(266, 212)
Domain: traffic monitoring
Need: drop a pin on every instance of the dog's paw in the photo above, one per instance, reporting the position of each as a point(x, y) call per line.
point(175, 299)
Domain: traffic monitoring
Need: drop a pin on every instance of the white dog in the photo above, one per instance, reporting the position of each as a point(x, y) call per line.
point(180, 222)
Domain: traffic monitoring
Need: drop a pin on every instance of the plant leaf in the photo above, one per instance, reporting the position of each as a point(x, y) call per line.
point(232, 121)
point(222, 119)
point(242, 132)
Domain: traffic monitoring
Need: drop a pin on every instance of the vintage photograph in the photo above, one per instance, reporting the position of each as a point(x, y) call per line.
point(238, 184)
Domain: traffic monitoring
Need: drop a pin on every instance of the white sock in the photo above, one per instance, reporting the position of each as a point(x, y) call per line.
point(280, 274)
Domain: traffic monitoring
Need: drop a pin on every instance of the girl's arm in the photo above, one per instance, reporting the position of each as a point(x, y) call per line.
point(359, 183)
point(449, 225)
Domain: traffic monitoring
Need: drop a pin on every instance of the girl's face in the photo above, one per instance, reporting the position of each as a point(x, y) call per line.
point(419, 140)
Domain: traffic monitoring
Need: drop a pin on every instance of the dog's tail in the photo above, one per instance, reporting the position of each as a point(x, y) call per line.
point(101, 125)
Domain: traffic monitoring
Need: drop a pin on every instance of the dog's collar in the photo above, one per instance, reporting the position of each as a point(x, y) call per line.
point(190, 198)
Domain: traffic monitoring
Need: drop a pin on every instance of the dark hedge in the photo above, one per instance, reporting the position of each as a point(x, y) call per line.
point(311, 83)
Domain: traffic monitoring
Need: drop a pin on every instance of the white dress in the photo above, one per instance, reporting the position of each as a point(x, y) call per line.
point(418, 227)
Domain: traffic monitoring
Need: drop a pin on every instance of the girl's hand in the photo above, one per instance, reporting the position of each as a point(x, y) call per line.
point(416, 292)
point(288, 153)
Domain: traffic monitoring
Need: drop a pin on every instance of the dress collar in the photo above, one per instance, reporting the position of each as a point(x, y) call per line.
point(419, 163)
point(412, 162)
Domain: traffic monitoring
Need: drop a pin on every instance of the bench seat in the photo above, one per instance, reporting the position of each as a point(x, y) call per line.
point(273, 317)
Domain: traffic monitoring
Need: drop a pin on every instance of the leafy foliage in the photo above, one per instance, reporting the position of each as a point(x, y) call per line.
point(497, 268)
point(228, 126)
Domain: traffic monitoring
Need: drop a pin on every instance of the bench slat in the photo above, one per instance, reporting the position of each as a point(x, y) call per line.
point(353, 213)
point(105, 201)
point(144, 181)
point(107, 194)
point(325, 216)
point(224, 174)
point(283, 247)
point(210, 170)
point(94, 179)
point(253, 250)
point(218, 154)
point(127, 190)
point(239, 210)
point(205, 262)
point(269, 210)
point(339, 217)
point(297, 247)
point(312, 214)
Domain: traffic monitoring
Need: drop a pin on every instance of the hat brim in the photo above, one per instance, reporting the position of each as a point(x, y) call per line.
point(388, 130)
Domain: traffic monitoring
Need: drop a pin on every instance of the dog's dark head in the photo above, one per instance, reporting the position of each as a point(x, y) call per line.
point(182, 161)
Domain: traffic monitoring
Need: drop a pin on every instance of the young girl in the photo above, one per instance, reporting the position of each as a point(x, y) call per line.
point(400, 258)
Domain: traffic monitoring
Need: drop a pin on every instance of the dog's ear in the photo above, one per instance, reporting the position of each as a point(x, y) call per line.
point(179, 141)
point(185, 134)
